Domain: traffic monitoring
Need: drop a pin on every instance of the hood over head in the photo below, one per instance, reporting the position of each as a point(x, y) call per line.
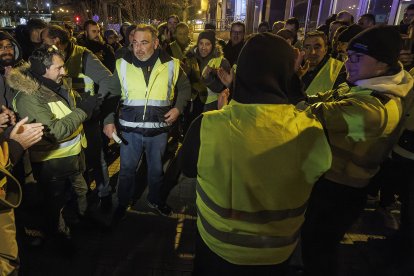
point(17, 50)
point(265, 72)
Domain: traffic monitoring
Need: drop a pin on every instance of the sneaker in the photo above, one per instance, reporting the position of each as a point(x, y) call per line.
point(163, 210)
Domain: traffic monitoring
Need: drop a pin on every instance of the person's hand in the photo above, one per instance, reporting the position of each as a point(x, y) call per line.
point(10, 114)
point(27, 134)
point(109, 129)
point(89, 103)
point(223, 98)
point(300, 70)
point(4, 119)
point(172, 115)
point(406, 57)
point(225, 78)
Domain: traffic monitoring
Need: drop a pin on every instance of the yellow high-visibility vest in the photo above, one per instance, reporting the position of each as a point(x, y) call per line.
point(215, 64)
point(256, 168)
point(70, 146)
point(74, 68)
point(136, 93)
point(326, 77)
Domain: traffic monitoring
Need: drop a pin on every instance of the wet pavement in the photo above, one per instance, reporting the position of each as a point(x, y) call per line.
point(145, 243)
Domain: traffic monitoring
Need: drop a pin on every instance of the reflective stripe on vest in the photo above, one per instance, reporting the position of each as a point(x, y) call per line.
point(250, 200)
point(159, 92)
point(72, 145)
point(252, 241)
point(264, 216)
point(143, 124)
point(74, 68)
point(215, 64)
point(326, 77)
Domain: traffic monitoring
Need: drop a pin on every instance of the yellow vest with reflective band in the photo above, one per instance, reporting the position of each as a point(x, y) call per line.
point(74, 68)
point(256, 168)
point(326, 77)
point(176, 50)
point(215, 64)
point(70, 146)
point(136, 93)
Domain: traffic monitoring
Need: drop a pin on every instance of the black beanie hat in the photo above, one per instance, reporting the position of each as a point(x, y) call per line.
point(207, 34)
point(382, 43)
point(349, 33)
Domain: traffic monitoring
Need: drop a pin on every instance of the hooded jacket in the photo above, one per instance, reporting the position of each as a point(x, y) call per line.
point(33, 100)
point(6, 95)
point(363, 123)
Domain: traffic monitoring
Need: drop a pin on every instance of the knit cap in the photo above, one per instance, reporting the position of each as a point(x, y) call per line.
point(349, 33)
point(207, 34)
point(382, 43)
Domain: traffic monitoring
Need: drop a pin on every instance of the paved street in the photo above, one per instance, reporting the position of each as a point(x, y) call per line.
point(149, 244)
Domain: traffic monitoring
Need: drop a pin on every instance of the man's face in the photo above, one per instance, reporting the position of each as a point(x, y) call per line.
point(144, 45)
point(365, 23)
point(360, 66)
point(6, 53)
point(181, 35)
point(35, 35)
point(92, 32)
point(204, 47)
point(172, 24)
point(236, 34)
point(47, 40)
point(56, 71)
point(315, 50)
point(112, 39)
point(408, 16)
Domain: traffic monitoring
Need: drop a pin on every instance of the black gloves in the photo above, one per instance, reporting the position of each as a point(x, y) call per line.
point(89, 103)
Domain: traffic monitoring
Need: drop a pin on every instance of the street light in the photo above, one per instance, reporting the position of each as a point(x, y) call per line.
point(48, 6)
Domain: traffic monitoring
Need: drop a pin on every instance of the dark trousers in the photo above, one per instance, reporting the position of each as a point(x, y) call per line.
point(207, 263)
point(94, 158)
point(332, 210)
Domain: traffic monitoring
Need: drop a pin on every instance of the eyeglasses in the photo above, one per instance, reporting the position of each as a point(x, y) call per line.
point(354, 58)
point(237, 32)
point(6, 47)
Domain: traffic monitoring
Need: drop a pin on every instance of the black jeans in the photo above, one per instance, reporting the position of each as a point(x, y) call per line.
point(207, 263)
point(332, 210)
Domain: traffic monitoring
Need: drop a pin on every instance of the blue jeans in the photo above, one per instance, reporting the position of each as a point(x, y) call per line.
point(154, 148)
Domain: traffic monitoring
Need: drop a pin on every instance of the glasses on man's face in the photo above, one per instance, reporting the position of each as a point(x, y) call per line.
point(6, 47)
point(354, 58)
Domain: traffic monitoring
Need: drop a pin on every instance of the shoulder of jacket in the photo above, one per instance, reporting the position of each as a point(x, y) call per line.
point(19, 80)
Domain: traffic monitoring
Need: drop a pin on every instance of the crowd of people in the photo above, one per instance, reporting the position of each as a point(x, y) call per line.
point(286, 137)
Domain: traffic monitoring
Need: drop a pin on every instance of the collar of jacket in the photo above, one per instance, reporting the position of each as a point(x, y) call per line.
point(163, 56)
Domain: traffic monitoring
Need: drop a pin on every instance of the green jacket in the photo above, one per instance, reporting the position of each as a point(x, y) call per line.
point(33, 100)
point(362, 123)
